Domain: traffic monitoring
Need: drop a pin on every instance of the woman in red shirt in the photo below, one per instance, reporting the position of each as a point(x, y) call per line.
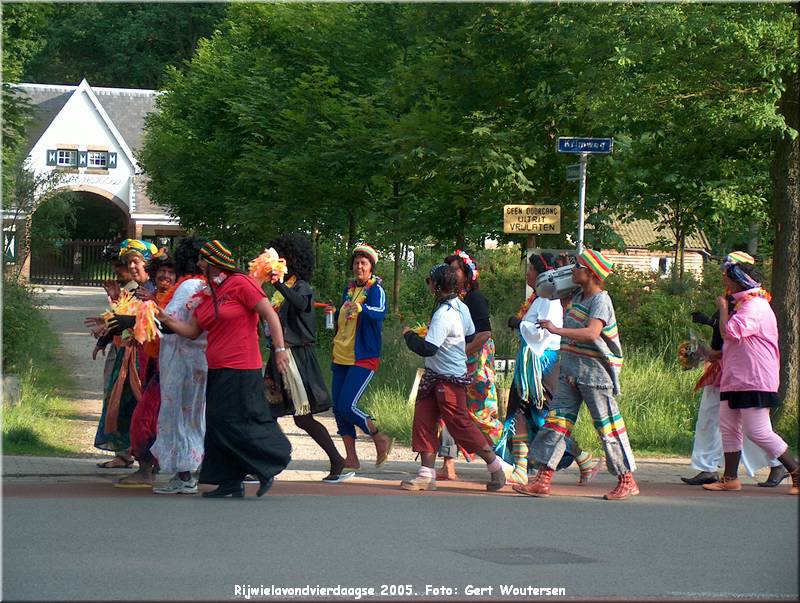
point(241, 435)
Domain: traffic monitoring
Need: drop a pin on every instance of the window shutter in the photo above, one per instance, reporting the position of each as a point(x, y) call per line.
point(52, 156)
point(82, 158)
point(112, 160)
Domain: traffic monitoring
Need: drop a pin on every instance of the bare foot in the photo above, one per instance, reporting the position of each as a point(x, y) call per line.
point(352, 463)
point(448, 470)
point(383, 448)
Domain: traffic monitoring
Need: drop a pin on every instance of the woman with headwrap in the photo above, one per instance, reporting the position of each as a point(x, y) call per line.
point(130, 367)
point(183, 372)
point(144, 420)
point(303, 392)
point(590, 365)
point(535, 380)
point(357, 355)
point(442, 393)
point(241, 436)
point(481, 393)
point(750, 375)
point(707, 446)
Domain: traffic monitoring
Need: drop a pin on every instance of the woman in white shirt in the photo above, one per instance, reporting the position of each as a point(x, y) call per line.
point(535, 379)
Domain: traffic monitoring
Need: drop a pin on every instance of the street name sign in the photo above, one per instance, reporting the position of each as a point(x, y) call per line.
point(595, 146)
point(532, 219)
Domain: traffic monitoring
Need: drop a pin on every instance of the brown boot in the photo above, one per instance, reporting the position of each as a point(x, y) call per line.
point(625, 487)
point(540, 486)
point(795, 489)
point(726, 483)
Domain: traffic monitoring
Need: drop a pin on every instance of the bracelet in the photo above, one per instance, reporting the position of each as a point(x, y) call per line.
point(279, 350)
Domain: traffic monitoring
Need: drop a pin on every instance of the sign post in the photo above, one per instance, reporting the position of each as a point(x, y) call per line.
point(583, 147)
point(581, 201)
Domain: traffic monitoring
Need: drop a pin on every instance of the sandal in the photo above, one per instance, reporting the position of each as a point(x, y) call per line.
point(117, 462)
point(380, 461)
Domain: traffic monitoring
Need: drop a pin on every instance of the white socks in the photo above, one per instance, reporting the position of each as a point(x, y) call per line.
point(427, 472)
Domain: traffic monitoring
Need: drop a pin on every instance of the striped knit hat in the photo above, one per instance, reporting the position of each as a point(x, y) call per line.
point(739, 257)
point(596, 262)
point(217, 254)
point(144, 248)
point(368, 251)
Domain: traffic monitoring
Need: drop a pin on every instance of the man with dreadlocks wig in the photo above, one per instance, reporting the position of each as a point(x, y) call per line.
point(750, 375)
point(303, 392)
point(442, 391)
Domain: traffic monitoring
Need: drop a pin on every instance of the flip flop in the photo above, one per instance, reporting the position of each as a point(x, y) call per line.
point(132, 485)
point(381, 460)
point(107, 465)
point(339, 478)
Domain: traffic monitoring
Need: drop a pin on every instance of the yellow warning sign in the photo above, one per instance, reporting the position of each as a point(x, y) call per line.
point(532, 219)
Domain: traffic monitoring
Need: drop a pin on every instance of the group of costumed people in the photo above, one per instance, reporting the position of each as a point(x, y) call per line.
point(187, 390)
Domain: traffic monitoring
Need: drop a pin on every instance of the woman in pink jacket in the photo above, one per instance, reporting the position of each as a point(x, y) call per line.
point(749, 381)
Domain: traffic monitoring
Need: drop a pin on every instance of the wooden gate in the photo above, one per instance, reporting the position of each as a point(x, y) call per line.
point(77, 262)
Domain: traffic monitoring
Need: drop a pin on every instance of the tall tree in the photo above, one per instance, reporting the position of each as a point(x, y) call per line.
point(786, 216)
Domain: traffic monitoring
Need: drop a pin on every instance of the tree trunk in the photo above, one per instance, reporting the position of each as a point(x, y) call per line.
point(351, 232)
point(462, 228)
point(786, 254)
point(398, 263)
point(398, 251)
point(752, 244)
point(682, 245)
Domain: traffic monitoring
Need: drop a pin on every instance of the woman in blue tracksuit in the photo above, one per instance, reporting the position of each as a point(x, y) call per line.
point(356, 355)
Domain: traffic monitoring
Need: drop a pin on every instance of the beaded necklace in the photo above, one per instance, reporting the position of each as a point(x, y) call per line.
point(353, 294)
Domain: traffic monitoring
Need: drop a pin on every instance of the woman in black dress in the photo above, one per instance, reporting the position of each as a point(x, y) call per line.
point(302, 391)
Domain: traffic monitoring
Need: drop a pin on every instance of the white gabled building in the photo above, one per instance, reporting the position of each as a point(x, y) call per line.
point(91, 136)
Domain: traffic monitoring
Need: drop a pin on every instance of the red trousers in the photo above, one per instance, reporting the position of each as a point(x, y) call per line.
point(448, 402)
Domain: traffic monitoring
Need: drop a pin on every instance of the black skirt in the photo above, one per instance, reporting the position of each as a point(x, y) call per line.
point(751, 399)
point(241, 435)
point(319, 399)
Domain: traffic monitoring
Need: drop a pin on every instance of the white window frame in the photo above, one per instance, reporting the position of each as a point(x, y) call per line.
point(67, 158)
point(97, 159)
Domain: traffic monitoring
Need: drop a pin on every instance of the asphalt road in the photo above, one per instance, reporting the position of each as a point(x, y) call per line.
point(125, 545)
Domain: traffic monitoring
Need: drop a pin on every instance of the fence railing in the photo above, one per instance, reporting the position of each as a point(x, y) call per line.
point(78, 262)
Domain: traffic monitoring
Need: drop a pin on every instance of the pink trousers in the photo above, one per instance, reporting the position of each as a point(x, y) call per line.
point(752, 422)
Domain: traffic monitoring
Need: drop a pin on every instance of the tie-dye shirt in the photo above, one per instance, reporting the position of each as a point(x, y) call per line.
point(599, 363)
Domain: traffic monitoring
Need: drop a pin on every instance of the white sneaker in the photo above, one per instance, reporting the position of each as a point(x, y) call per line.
point(177, 486)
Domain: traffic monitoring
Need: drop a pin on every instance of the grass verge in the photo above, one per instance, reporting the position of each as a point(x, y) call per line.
point(39, 424)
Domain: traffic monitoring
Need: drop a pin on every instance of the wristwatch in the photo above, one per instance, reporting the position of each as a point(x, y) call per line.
point(280, 349)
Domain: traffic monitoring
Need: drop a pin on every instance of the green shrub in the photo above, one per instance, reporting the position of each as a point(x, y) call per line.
point(25, 332)
point(38, 424)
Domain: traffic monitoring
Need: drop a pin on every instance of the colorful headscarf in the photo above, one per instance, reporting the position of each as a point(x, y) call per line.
point(732, 267)
point(368, 251)
point(217, 254)
point(144, 248)
point(596, 262)
point(470, 263)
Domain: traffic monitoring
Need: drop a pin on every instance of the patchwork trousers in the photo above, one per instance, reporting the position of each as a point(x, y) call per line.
point(551, 441)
